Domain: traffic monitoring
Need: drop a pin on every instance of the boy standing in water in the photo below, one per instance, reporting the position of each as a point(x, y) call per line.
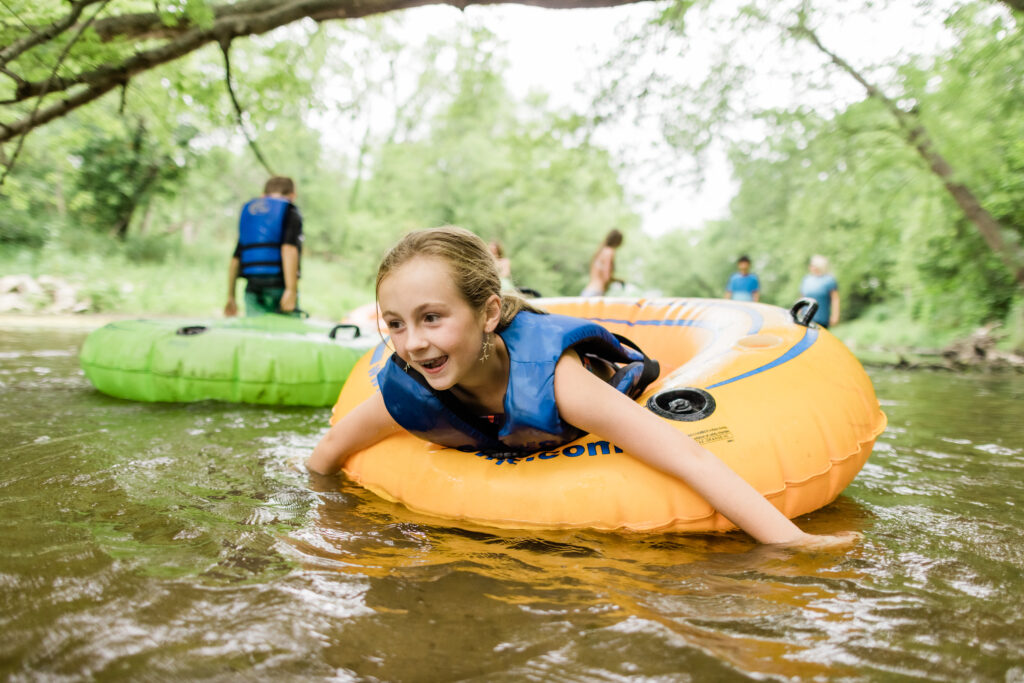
point(743, 285)
point(268, 251)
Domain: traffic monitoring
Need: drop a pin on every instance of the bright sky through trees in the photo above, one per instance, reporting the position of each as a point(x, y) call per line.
point(565, 54)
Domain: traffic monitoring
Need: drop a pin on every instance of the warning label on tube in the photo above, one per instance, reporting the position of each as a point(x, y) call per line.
point(712, 435)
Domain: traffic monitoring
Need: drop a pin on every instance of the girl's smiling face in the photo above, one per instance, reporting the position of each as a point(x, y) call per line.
point(433, 327)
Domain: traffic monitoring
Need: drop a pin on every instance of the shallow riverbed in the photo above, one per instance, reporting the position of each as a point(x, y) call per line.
point(183, 541)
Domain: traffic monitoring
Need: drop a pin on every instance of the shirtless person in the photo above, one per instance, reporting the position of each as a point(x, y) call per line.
point(602, 266)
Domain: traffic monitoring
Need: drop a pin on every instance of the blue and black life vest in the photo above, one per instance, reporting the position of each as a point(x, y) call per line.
point(535, 342)
point(260, 235)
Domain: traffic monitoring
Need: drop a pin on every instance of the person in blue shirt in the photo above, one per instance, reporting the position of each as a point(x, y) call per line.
point(267, 252)
point(743, 285)
point(823, 288)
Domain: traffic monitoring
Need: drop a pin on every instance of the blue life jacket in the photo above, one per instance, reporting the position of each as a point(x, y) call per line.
point(260, 235)
point(535, 342)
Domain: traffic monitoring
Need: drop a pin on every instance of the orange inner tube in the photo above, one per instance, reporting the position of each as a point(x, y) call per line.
point(789, 408)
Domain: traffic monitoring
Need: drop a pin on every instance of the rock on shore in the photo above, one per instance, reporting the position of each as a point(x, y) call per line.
point(44, 294)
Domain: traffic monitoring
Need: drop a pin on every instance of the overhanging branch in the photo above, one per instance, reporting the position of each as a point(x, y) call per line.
point(249, 17)
point(31, 119)
point(46, 34)
point(151, 25)
point(225, 48)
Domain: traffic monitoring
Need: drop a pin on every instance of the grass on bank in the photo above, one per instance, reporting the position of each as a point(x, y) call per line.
point(890, 326)
point(159, 276)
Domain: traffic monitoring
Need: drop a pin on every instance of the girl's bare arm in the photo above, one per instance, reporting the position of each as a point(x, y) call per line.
point(587, 402)
point(368, 423)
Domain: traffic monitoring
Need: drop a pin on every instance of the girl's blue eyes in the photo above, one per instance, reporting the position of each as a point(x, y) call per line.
point(428, 318)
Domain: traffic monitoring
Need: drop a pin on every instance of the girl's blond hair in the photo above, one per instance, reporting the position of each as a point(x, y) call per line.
point(472, 265)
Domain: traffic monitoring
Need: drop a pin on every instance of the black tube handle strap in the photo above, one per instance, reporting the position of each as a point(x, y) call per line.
point(344, 326)
point(803, 311)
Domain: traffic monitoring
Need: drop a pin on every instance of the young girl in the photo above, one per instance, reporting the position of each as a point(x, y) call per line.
point(473, 368)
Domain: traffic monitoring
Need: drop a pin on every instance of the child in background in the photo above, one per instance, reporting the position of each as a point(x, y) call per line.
point(474, 368)
point(268, 251)
point(602, 266)
point(504, 265)
point(743, 285)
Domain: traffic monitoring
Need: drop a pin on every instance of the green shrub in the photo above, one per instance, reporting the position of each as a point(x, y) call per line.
point(21, 229)
point(151, 248)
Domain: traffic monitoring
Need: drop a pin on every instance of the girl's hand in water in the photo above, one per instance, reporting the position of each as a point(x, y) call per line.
point(363, 426)
point(838, 541)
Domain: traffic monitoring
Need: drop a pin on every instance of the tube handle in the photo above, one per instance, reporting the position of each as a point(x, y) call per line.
point(803, 311)
point(346, 326)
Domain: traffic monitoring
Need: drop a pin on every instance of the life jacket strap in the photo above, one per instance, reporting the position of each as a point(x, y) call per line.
point(632, 378)
point(259, 245)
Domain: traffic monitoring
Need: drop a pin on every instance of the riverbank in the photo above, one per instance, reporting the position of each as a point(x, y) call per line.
point(192, 284)
point(58, 321)
point(945, 359)
point(984, 348)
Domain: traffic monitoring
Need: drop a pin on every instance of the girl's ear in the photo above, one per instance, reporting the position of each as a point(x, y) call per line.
point(492, 313)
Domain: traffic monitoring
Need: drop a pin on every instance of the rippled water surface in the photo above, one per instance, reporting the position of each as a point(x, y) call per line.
point(171, 541)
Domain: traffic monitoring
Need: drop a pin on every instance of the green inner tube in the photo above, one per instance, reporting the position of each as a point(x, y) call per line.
point(272, 359)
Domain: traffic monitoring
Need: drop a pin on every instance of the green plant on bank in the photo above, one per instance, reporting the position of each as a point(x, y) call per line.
point(149, 276)
point(890, 325)
point(1014, 340)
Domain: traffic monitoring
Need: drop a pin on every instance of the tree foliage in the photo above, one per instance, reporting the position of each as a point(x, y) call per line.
point(456, 147)
point(57, 57)
point(849, 187)
point(507, 169)
point(913, 191)
point(119, 173)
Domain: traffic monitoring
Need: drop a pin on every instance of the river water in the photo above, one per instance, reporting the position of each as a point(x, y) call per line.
point(182, 541)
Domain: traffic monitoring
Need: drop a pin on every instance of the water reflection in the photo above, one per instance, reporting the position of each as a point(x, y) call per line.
point(180, 541)
point(715, 601)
